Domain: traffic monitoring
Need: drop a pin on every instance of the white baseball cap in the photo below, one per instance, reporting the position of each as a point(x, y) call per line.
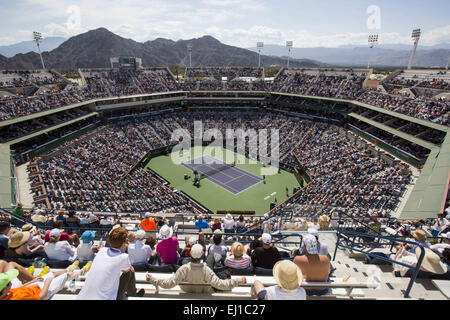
point(148, 214)
point(197, 251)
point(266, 238)
point(140, 235)
point(192, 241)
point(55, 232)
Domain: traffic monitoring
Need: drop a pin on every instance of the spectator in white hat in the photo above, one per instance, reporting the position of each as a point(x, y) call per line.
point(197, 273)
point(138, 251)
point(267, 255)
point(288, 277)
point(167, 248)
point(38, 217)
point(315, 267)
point(59, 250)
point(322, 247)
point(229, 224)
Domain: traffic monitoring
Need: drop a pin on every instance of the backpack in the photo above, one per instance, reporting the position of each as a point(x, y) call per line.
point(223, 274)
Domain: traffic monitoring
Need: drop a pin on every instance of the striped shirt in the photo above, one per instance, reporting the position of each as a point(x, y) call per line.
point(242, 263)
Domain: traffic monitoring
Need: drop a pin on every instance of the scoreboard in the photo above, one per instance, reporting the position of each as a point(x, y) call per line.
point(126, 62)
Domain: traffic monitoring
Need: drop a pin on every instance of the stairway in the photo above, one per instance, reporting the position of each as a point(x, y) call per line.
point(351, 265)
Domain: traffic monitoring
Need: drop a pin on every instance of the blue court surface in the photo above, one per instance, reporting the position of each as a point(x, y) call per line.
point(228, 177)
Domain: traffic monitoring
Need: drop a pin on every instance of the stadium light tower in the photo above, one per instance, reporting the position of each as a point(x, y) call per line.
point(415, 36)
point(289, 45)
point(373, 40)
point(259, 45)
point(189, 49)
point(37, 36)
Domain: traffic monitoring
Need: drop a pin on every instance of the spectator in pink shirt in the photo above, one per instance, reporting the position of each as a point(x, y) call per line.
point(167, 248)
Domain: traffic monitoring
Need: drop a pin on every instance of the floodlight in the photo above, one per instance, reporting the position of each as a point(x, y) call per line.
point(415, 36)
point(289, 45)
point(189, 49)
point(259, 45)
point(37, 36)
point(373, 39)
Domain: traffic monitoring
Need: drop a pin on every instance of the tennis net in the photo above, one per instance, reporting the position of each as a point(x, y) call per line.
point(213, 168)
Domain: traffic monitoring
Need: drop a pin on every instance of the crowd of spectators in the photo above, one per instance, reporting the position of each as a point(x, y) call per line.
point(93, 174)
point(96, 173)
point(346, 84)
point(345, 174)
point(24, 78)
point(437, 80)
point(421, 107)
point(224, 72)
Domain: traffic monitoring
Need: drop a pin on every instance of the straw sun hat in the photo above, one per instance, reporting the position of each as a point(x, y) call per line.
point(431, 262)
point(419, 235)
point(287, 274)
point(18, 239)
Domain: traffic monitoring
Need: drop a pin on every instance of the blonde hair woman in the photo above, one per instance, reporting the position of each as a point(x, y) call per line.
point(238, 259)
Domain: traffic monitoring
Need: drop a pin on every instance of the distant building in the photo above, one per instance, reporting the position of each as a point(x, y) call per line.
point(126, 62)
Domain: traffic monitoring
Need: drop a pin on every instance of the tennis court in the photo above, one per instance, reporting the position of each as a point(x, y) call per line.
point(241, 189)
point(228, 177)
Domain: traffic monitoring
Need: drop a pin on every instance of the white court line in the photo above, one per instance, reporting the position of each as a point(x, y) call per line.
point(238, 169)
point(221, 184)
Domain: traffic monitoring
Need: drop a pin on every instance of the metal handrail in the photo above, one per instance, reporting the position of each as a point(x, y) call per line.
point(391, 240)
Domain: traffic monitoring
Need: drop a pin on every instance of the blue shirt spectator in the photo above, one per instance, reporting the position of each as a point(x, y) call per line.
point(201, 224)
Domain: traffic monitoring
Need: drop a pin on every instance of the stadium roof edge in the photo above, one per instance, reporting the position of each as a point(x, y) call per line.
point(429, 193)
point(395, 132)
point(9, 143)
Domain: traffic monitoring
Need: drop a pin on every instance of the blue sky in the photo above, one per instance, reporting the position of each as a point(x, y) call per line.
point(308, 23)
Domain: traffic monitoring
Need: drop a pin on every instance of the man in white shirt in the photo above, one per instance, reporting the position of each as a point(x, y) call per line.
point(110, 270)
point(439, 225)
point(288, 277)
point(138, 251)
point(107, 220)
point(439, 248)
point(59, 250)
point(228, 224)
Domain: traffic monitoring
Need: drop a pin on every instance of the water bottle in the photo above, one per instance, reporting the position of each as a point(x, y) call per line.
point(72, 287)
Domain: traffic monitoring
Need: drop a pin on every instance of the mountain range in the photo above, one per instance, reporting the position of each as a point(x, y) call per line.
point(397, 55)
point(94, 48)
point(47, 44)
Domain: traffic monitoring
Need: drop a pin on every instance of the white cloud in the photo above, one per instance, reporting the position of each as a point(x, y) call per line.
point(234, 22)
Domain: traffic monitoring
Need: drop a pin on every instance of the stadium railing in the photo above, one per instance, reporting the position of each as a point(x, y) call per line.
point(365, 243)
